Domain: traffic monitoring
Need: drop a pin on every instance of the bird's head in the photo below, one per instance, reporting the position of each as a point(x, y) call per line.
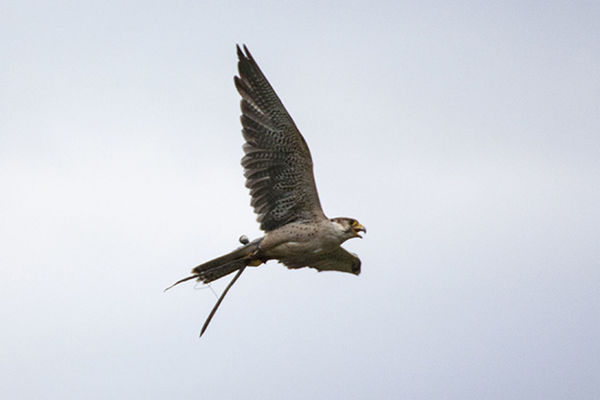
point(349, 226)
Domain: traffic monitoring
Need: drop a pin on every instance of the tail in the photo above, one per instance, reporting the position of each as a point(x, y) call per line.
point(224, 265)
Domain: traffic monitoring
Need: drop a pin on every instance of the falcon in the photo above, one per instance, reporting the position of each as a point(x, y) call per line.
point(279, 173)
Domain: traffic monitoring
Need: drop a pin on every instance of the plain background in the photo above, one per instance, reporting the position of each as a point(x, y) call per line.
point(463, 135)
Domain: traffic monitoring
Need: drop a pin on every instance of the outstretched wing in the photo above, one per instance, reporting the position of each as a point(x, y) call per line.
point(336, 260)
point(277, 163)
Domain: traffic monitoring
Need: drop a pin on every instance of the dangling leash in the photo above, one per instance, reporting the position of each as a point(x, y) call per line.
point(214, 310)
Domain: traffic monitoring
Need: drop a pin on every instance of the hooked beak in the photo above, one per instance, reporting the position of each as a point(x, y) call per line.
point(359, 228)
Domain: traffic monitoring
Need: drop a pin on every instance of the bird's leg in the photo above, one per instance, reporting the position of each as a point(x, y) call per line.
point(214, 310)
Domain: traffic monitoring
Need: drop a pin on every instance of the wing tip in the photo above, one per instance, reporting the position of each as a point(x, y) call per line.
point(356, 264)
point(245, 63)
point(243, 54)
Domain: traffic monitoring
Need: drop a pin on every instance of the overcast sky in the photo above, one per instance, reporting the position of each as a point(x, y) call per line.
point(464, 135)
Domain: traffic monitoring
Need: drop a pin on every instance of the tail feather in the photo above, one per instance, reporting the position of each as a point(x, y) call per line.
point(224, 265)
point(213, 273)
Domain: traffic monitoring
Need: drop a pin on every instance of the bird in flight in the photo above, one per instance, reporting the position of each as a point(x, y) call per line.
point(279, 173)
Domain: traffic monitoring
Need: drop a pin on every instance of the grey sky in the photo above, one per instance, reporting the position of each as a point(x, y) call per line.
point(464, 136)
